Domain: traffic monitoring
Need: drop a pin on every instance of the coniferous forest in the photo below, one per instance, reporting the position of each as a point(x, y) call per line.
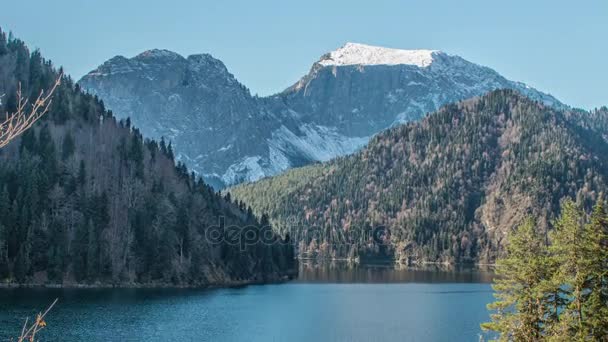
point(446, 189)
point(554, 288)
point(85, 199)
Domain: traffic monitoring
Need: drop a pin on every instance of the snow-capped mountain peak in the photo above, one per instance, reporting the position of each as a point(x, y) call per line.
point(223, 133)
point(361, 54)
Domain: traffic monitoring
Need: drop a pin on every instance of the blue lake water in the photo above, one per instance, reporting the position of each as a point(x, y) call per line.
point(324, 304)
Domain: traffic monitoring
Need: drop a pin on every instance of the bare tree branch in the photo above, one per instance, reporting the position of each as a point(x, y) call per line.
point(29, 333)
point(18, 122)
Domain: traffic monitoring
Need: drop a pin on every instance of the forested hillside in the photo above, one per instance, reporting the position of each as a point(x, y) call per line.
point(84, 198)
point(448, 188)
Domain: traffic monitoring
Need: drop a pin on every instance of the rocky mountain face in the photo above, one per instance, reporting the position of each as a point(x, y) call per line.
point(447, 188)
point(223, 133)
point(211, 120)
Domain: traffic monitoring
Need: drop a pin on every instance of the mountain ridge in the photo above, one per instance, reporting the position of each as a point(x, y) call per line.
point(229, 136)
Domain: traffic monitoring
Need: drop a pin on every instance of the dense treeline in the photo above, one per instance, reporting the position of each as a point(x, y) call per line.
point(448, 188)
point(555, 288)
point(86, 199)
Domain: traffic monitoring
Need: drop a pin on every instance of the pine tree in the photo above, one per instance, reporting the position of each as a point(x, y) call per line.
point(5, 205)
point(559, 293)
point(80, 252)
point(582, 254)
point(596, 303)
point(3, 48)
point(92, 258)
point(82, 175)
point(49, 157)
point(136, 154)
point(521, 306)
point(170, 152)
point(4, 271)
point(568, 248)
point(68, 147)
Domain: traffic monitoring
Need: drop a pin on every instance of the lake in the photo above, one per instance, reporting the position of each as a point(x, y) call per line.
point(326, 303)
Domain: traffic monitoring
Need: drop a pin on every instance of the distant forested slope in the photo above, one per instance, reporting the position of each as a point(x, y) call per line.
point(448, 188)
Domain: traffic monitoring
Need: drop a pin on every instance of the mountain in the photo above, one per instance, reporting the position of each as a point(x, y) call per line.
point(363, 89)
point(210, 118)
point(445, 189)
point(85, 199)
point(228, 136)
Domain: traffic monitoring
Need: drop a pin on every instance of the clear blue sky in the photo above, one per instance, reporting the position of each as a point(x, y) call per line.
point(557, 46)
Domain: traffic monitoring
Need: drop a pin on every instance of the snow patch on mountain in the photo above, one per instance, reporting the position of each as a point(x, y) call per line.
point(361, 54)
point(248, 169)
point(316, 143)
point(279, 161)
point(252, 168)
point(225, 148)
point(413, 111)
point(312, 143)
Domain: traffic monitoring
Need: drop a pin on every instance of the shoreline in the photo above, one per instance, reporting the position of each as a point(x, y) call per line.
point(242, 283)
point(231, 284)
point(396, 263)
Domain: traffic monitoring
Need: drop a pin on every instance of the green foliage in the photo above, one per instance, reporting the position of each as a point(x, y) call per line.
point(554, 291)
point(521, 309)
point(269, 194)
point(581, 250)
point(595, 302)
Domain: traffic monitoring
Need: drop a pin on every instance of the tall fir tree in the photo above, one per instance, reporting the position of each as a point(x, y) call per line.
point(555, 293)
point(521, 305)
point(581, 253)
point(596, 232)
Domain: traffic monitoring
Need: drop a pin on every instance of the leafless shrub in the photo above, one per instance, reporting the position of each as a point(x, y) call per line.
point(29, 331)
point(18, 122)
